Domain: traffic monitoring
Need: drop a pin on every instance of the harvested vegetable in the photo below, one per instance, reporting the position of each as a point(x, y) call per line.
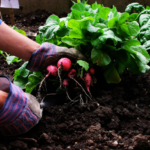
point(92, 71)
point(88, 81)
point(106, 37)
point(52, 70)
point(66, 82)
point(102, 35)
point(72, 73)
point(64, 64)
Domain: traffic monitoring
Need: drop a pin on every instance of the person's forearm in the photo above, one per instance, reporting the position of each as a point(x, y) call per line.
point(15, 43)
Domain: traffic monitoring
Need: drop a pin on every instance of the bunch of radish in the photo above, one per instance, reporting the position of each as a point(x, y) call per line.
point(64, 65)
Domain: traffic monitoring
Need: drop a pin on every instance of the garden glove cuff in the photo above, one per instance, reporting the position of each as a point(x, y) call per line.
point(20, 112)
point(49, 54)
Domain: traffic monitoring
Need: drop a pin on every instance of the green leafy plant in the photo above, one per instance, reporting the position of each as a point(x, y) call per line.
point(142, 15)
point(107, 38)
point(26, 79)
point(9, 58)
point(134, 7)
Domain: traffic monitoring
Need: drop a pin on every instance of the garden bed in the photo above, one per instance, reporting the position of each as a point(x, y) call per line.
point(117, 118)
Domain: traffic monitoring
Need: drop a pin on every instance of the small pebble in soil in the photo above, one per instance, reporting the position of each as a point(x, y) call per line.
point(90, 142)
point(120, 137)
point(69, 147)
point(115, 143)
point(130, 148)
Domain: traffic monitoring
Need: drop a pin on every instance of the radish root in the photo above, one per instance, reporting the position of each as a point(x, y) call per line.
point(68, 95)
point(39, 89)
point(81, 100)
point(59, 75)
point(81, 88)
point(90, 94)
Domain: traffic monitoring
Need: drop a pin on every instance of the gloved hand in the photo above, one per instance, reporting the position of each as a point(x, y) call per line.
point(49, 54)
point(20, 112)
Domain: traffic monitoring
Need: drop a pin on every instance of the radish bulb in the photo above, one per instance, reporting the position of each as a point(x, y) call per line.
point(64, 64)
point(88, 81)
point(52, 70)
point(72, 73)
point(92, 71)
point(65, 82)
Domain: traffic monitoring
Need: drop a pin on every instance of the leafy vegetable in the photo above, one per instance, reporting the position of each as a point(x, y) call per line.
point(26, 79)
point(33, 80)
point(108, 38)
point(11, 59)
point(105, 36)
point(147, 45)
point(134, 6)
point(144, 20)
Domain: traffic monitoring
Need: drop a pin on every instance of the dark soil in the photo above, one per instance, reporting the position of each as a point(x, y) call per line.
point(117, 118)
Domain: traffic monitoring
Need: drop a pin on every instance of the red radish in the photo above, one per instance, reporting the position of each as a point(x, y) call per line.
point(64, 64)
point(72, 73)
point(92, 71)
point(66, 82)
point(88, 81)
point(52, 70)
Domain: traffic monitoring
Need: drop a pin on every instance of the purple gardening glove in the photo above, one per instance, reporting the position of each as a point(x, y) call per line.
point(20, 112)
point(49, 54)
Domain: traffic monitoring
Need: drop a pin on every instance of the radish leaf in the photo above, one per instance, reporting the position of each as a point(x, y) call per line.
point(83, 64)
